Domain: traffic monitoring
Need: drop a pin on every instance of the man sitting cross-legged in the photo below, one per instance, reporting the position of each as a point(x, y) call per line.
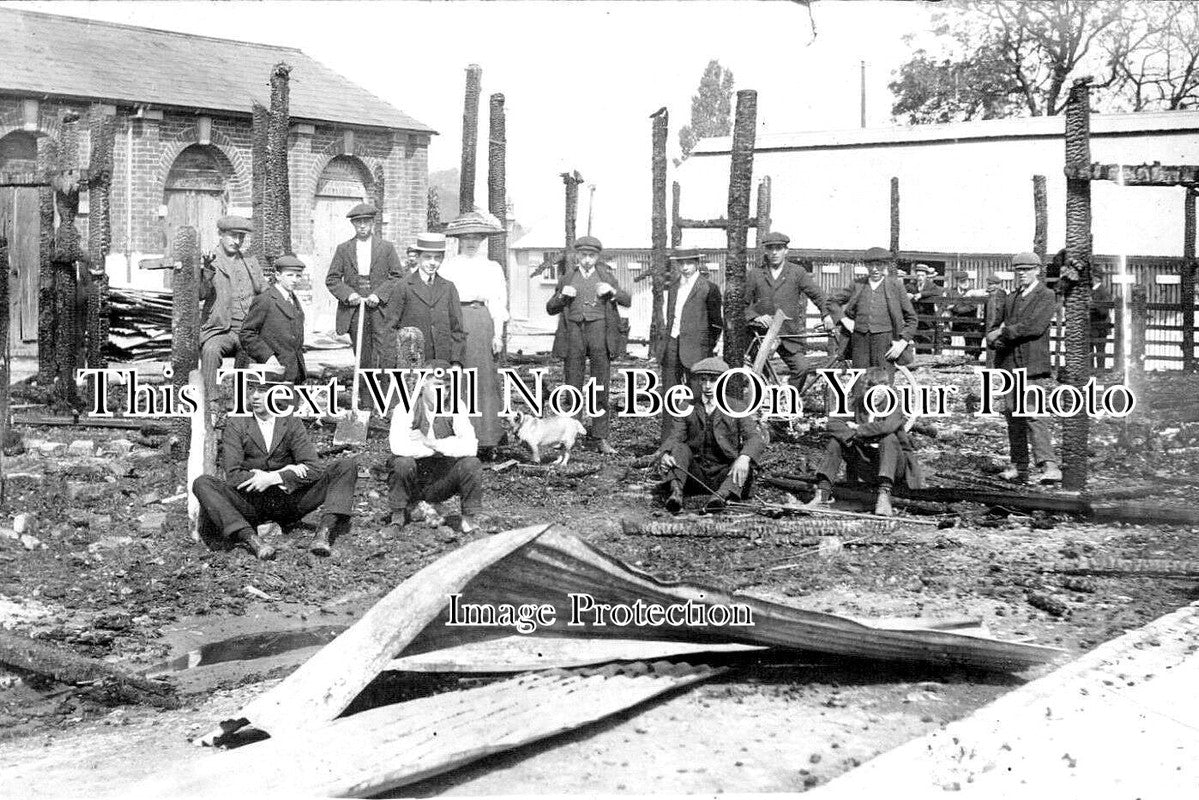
point(272, 474)
point(710, 452)
point(434, 456)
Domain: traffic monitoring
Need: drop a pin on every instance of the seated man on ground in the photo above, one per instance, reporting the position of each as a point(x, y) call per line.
point(272, 475)
point(710, 452)
point(871, 447)
point(434, 456)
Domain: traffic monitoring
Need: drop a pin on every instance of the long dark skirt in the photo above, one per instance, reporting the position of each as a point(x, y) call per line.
point(480, 331)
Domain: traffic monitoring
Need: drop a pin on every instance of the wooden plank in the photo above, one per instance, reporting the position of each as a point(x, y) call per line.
point(396, 745)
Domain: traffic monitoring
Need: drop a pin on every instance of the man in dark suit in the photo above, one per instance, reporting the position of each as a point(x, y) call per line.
point(229, 281)
point(962, 304)
point(708, 452)
point(1021, 341)
point(366, 269)
point(273, 331)
point(428, 302)
point(879, 316)
point(780, 285)
point(926, 296)
point(694, 321)
point(272, 474)
point(589, 326)
point(993, 312)
point(1101, 317)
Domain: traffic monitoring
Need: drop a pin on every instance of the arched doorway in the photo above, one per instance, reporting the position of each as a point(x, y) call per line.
point(196, 194)
point(342, 185)
point(20, 221)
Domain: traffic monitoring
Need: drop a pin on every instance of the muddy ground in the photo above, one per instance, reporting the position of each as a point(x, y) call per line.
point(113, 575)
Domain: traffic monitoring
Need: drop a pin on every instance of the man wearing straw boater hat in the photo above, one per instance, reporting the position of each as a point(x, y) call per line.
point(273, 331)
point(428, 302)
point(366, 271)
point(694, 320)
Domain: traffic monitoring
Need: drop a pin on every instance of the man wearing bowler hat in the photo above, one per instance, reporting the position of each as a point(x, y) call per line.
point(694, 320)
point(589, 330)
point(782, 286)
point(1021, 341)
point(272, 474)
point(879, 316)
point(428, 302)
point(273, 331)
point(366, 270)
point(229, 281)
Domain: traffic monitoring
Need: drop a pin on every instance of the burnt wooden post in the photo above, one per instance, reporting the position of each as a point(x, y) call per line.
point(278, 191)
point(764, 219)
point(67, 254)
point(379, 195)
point(1040, 210)
point(260, 122)
point(99, 235)
point(4, 365)
point(1188, 281)
point(1136, 350)
point(1076, 279)
point(47, 330)
point(497, 191)
point(895, 217)
point(470, 139)
point(572, 181)
point(185, 325)
point(433, 211)
point(658, 262)
point(741, 170)
point(676, 230)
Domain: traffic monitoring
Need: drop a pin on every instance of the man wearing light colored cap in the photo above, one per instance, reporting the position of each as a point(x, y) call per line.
point(879, 316)
point(709, 452)
point(273, 331)
point(779, 285)
point(694, 318)
point(366, 270)
point(926, 298)
point(590, 332)
point(428, 302)
point(229, 281)
point(1021, 341)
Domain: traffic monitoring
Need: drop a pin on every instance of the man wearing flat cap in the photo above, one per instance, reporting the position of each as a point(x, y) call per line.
point(779, 285)
point(709, 452)
point(993, 312)
point(272, 474)
point(1100, 317)
point(1021, 341)
point(428, 302)
point(366, 270)
point(273, 331)
point(694, 320)
point(589, 326)
point(229, 281)
point(879, 316)
point(962, 306)
point(926, 296)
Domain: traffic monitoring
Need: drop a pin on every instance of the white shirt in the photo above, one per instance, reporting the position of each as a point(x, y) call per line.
point(267, 428)
point(407, 441)
point(1028, 291)
point(875, 284)
point(286, 295)
point(479, 279)
point(364, 255)
point(775, 272)
point(685, 288)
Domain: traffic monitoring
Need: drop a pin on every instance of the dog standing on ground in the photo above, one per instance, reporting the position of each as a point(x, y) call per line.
point(542, 433)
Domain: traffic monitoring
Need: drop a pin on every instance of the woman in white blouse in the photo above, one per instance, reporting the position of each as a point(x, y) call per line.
point(483, 292)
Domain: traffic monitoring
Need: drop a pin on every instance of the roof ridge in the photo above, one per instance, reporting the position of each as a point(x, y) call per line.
point(127, 26)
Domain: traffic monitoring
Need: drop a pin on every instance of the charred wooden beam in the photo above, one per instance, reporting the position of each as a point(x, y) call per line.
point(571, 181)
point(895, 216)
point(741, 170)
point(763, 220)
point(5, 369)
point(719, 223)
point(433, 222)
point(379, 196)
point(47, 161)
point(185, 323)
point(659, 267)
point(470, 139)
point(260, 123)
point(1040, 210)
point(676, 230)
point(1188, 281)
point(1155, 174)
point(497, 180)
point(278, 191)
point(1076, 280)
point(1139, 318)
point(99, 235)
point(915, 502)
point(1139, 567)
point(67, 255)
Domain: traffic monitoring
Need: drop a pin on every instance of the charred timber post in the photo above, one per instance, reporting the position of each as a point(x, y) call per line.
point(764, 219)
point(1076, 278)
point(470, 139)
point(185, 327)
point(260, 122)
point(1188, 281)
point(68, 252)
point(658, 265)
point(1040, 210)
point(497, 188)
point(99, 234)
point(47, 162)
point(1136, 355)
point(572, 181)
point(4, 350)
point(676, 230)
point(278, 191)
point(379, 196)
point(895, 217)
point(741, 172)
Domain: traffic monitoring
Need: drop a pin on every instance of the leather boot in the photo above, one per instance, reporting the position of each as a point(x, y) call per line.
point(716, 503)
point(822, 498)
point(882, 506)
point(322, 543)
point(249, 539)
point(674, 503)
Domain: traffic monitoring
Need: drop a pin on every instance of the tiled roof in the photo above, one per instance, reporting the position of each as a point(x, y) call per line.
point(50, 55)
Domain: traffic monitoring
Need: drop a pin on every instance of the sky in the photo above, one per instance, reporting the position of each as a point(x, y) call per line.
point(580, 78)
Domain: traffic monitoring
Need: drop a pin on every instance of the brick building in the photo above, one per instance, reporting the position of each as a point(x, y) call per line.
point(183, 143)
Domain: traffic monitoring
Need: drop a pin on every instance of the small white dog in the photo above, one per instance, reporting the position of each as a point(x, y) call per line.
point(542, 433)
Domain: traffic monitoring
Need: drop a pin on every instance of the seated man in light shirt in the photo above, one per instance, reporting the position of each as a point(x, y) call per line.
point(433, 456)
